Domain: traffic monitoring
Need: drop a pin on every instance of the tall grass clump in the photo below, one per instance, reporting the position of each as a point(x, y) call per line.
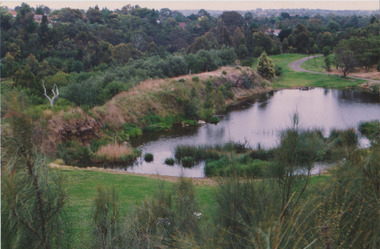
point(249, 215)
point(349, 215)
point(371, 130)
point(115, 153)
point(169, 219)
point(238, 166)
point(107, 220)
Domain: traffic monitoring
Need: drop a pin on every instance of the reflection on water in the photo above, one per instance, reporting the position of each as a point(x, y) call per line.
point(258, 121)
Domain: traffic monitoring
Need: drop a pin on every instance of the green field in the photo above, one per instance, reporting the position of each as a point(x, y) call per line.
point(291, 79)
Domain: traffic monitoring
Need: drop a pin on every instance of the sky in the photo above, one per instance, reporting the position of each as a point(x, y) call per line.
point(209, 5)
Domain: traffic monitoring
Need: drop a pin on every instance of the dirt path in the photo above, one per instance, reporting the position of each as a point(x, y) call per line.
point(296, 66)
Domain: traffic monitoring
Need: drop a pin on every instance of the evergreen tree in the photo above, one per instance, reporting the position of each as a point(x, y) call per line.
point(265, 66)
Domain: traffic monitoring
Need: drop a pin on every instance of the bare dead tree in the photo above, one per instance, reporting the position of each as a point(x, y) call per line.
point(54, 91)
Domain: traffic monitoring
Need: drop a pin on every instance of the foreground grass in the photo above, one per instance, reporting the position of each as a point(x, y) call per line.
point(292, 79)
point(132, 189)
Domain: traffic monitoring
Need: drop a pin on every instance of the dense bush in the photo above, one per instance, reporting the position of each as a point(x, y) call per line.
point(169, 161)
point(236, 166)
point(74, 154)
point(148, 157)
point(371, 130)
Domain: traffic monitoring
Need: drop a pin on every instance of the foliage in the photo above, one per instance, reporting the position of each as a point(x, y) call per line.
point(148, 157)
point(169, 161)
point(33, 195)
point(265, 66)
point(107, 222)
point(73, 153)
point(294, 160)
point(371, 130)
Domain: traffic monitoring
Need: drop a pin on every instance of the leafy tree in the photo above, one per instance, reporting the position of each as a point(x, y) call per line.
point(122, 53)
point(284, 33)
point(263, 41)
point(43, 30)
point(344, 57)
point(32, 63)
point(94, 15)
point(285, 15)
point(39, 10)
point(265, 66)
point(6, 19)
point(232, 20)
point(10, 65)
point(26, 79)
point(327, 63)
point(71, 15)
point(302, 36)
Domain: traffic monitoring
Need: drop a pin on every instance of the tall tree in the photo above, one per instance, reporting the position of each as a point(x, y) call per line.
point(344, 57)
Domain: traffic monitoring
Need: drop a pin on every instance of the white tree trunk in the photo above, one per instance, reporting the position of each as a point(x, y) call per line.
point(54, 91)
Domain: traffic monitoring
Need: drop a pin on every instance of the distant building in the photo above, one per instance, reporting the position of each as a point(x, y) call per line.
point(275, 32)
point(13, 13)
point(182, 25)
point(38, 18)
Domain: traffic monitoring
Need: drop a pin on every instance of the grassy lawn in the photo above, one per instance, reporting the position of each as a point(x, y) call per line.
point(317, 64)
point(292, 79)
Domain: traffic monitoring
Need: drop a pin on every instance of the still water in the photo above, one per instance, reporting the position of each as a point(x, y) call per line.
point(259, 121)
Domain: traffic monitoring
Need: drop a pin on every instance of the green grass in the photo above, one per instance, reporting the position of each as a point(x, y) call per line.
point(292, 79)
point(81, 189)
point(317, 64)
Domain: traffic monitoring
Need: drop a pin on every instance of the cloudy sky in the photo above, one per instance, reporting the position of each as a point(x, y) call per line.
point(213, 4)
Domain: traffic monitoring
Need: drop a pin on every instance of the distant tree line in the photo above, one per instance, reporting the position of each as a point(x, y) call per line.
point(165, 43)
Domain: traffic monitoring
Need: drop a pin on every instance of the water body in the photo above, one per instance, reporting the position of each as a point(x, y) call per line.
point(259, 121)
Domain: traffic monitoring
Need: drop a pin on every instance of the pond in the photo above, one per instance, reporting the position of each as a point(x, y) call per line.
point(259, 121)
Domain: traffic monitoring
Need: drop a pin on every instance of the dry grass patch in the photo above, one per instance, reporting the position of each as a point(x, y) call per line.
point(115, 154)
point(113, 151)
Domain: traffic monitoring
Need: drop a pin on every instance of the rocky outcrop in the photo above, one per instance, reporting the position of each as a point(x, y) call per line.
point(73, 124)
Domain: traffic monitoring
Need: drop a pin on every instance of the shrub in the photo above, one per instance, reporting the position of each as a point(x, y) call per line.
point(224, 72)
point(148, 157)
point(181, 80)
point(247, 63)
point(195, 79)
point(74, 154)
point(169, 161)
point(370, 129)
point(265, 67)
point(214, 120)
point(157, 127)
point(131, 130)
point(187, 161)
point(278, 71)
